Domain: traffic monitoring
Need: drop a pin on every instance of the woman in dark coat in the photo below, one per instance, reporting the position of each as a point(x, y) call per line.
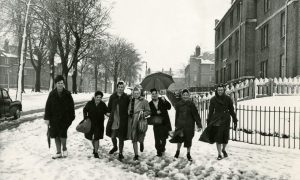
point(95, 111)
point(59, 114)
point(218, 122)
point(186, 117)
point(160, 107)
point(117, 124)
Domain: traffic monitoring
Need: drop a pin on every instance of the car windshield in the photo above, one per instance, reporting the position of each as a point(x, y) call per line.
point(5, 94)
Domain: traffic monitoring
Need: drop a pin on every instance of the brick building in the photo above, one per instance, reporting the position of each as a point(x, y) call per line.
point(258, 38)
point(199, 72)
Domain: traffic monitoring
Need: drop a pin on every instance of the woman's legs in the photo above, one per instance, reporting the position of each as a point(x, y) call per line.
point(219, 148)
point(178, 150)
point(135, 148)
point(58, 145)
point(64, 143)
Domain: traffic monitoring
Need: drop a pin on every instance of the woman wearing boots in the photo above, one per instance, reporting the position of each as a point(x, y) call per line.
point(138, 106)
point(95, 111)
point(186, 117)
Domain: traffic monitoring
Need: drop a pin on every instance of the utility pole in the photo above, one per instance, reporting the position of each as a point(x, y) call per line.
point(20, 73)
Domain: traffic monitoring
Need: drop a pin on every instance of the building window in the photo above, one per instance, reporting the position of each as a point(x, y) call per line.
point(230, 46)
point(217, 77)
point(222, 52)
point(231, 19)
point(264, 69)
point(238, 11)
point(282, 66)
point(224, 74)
point(217, 54)
point(212, 67)
point(266, 5)
point(236, 69)
point(282, 24)
point(236, 41)
point(265, 36)
point(229, 72)
point(6, 60)
point(218, 34)
point(221, 75)
point(223, 29)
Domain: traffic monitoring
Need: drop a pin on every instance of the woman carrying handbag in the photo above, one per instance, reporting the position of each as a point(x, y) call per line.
point(160, 120)
point(137, 125)
point(95, 111)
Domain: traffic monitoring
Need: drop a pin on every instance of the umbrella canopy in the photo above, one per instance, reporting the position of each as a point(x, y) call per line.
point(158, 81)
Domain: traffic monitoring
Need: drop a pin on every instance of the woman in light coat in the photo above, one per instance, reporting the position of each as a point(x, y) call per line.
point(138, 106)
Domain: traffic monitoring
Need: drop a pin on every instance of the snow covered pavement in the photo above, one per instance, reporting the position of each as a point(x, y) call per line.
point(24, 154)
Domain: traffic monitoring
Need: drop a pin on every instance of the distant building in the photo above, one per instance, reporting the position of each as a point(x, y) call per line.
point(199, 72)
point(258, 38)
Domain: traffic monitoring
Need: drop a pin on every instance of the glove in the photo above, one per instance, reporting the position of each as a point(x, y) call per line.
point(235, 126)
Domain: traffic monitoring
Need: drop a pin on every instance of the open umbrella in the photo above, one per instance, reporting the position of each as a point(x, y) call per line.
point(158, 81)
point(48, 137)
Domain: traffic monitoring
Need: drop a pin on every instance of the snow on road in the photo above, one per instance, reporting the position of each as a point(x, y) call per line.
point(24, 154)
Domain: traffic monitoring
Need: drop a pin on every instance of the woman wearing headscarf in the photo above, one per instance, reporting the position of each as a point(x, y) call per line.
point(138, 107)
point(95, 111)
point(218, 122)
point(186, 117)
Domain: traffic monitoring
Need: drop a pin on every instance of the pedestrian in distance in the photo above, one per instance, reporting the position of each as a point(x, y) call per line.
point(95, 111)
point(218, 122)
point(159, 107)
point(138, 109)
point(59, 114)
point(185, 118)
point(117, 124)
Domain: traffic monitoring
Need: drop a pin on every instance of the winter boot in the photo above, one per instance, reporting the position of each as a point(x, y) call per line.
point(96, 155)
point(113, 150)
point(177, 154)
point(189, 157)
point(141, 147)
point(121, 157)
point(136, 158)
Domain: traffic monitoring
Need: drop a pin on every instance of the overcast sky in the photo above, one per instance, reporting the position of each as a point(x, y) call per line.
point(166, 32)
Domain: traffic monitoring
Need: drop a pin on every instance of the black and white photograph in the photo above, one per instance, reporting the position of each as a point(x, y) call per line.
point(149, 89)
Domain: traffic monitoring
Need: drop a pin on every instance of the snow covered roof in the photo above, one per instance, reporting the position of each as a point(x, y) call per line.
point(9, 55)
point(205, 61)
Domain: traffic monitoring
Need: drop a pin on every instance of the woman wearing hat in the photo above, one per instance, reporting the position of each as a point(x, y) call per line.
point(186, 117)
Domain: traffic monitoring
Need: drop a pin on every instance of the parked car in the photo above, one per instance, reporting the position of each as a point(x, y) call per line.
point(9, 108)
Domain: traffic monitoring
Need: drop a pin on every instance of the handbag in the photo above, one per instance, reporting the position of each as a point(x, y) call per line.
point(84, 126)
point(142, 123)
point(155, 120)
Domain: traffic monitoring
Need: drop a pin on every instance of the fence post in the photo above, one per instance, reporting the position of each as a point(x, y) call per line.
point(271, 87)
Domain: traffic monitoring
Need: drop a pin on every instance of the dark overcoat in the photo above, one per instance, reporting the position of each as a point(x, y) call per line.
point(162, 129)
point(220, 110)
point(123, 102)
point(59, 110)
point(96, 115)
point(186, 117)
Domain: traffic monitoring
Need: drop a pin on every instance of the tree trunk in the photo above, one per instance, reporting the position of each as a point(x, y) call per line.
point(105, 81)
point(74, 78)
point(115, 77)
point(52, 51)
point(37, 87)
point(96, 76)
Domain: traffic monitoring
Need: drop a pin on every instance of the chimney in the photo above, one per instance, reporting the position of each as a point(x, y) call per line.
point(216, 22)
point(198, 51)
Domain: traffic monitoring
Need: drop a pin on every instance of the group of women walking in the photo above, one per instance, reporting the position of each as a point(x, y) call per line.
point(127, 120)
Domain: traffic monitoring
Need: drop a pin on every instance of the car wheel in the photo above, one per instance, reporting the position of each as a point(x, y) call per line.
point(15, 112)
